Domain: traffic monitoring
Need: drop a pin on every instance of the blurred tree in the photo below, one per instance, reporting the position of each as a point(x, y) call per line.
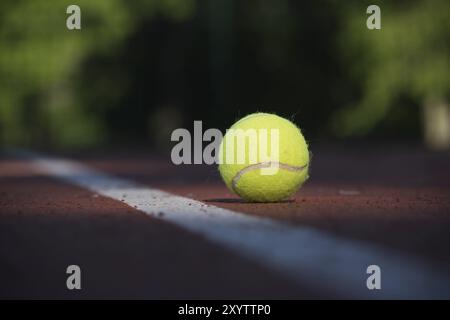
point(38, 68)
point(408, 57)
point(136, 63)
point(40, 63)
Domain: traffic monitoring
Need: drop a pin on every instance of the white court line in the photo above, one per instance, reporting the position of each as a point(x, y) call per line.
point(309, 256)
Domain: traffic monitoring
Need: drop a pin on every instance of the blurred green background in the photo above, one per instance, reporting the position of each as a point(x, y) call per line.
point(139, 69)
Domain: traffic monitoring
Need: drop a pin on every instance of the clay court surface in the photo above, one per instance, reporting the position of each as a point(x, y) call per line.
point(392, 201)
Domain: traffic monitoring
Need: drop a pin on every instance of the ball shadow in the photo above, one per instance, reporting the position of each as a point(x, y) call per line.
point(242, 201)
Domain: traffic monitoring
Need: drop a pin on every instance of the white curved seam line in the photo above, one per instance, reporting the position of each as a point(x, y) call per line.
point(261, 165)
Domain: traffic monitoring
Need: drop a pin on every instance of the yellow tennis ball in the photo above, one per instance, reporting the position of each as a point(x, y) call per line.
point(264, 158)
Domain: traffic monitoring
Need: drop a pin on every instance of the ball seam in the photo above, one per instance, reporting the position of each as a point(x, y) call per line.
point(261, 165)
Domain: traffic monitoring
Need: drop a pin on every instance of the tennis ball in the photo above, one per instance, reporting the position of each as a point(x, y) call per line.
point(278, 167)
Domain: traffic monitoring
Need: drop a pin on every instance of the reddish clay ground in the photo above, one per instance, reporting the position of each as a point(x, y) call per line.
point(395, 198)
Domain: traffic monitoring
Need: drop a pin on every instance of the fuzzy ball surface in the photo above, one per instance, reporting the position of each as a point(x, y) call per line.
point(264, 175)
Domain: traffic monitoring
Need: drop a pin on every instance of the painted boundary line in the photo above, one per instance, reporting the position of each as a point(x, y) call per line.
point(309, 256)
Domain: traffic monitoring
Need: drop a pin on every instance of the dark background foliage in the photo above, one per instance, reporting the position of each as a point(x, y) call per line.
point(138, 69)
